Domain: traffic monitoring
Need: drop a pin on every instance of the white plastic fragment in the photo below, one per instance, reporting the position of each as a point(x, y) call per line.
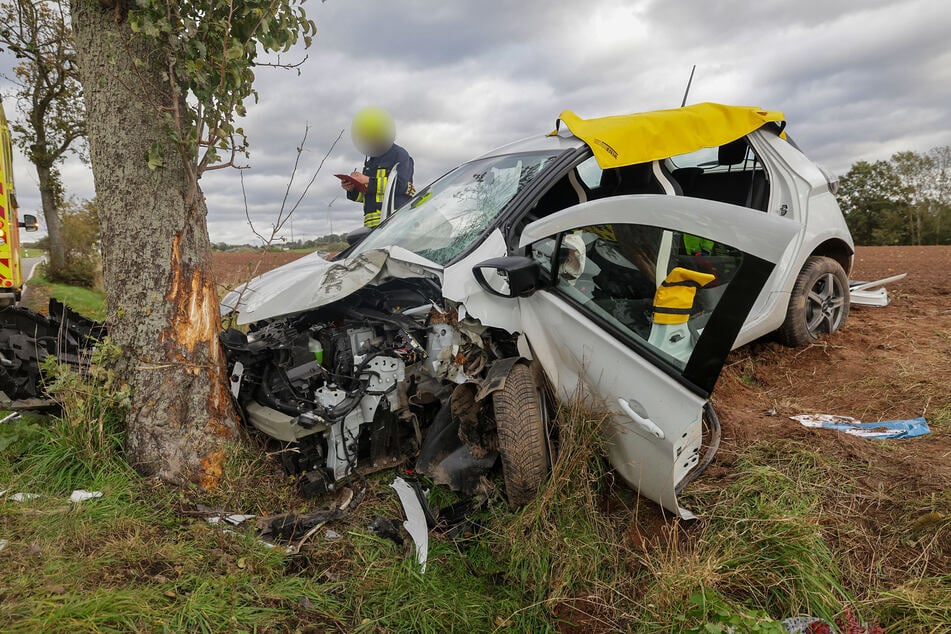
point(81, 495)
point(332, 535)
point(3, 543)
point(23, 497)
point(9, 418)
point(415, 523)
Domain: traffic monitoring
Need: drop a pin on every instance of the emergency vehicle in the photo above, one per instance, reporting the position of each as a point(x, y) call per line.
point(11, 277)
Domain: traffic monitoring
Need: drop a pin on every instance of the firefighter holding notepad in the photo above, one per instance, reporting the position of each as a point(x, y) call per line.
point(374, 132)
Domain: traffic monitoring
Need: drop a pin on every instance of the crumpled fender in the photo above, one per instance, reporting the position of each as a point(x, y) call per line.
point(496, 376)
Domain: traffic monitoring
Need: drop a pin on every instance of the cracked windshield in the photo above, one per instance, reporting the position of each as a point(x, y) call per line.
point(445, 219)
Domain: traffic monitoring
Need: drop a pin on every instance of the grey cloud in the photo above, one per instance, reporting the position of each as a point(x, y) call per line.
point(856, 81)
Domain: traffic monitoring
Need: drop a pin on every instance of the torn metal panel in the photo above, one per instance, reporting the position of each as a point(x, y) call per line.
point(415, 523)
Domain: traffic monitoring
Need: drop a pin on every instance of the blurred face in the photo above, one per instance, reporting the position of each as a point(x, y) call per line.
point(373, 131)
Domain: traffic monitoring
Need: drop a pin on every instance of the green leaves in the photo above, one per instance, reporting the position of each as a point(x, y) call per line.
point(212, 47)
point(155, 156)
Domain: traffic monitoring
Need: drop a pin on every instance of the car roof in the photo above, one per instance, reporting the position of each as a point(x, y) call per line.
point(563, 141)
point(645, 136)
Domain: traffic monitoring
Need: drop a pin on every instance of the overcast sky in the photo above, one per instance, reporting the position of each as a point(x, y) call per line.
point(857, 80)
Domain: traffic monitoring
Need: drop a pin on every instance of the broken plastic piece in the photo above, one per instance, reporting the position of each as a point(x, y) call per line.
point(3, 543)
point(233, 519)
point(415, 523)
point(81, 495)
point(862, 293)
point(9, 418)
point(882, 430)
point(23, 497)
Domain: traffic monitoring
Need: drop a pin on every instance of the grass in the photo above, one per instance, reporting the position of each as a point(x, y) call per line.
point(777, 537)
point(86, 301)
point(31, 252)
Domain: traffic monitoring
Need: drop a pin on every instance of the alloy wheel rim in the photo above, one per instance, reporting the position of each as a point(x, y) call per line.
point(824, 305)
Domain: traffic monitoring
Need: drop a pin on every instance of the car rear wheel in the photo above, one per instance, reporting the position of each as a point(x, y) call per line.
point(819, 303)
point(520, 416)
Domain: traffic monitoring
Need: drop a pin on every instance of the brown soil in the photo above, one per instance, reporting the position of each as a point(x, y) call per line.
point(233, 267)
point(886, 364)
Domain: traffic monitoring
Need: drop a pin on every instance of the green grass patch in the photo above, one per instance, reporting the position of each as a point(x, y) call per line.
point(774, 539)
point(31, 252)
point(86, 301)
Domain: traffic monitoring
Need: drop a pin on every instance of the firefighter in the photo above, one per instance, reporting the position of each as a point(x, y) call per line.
point(374, 133)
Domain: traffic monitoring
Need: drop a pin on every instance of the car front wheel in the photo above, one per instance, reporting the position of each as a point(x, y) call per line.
point(819, 303)
point(520, 416)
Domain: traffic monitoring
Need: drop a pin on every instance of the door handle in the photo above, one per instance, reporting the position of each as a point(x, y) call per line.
point(643, 422)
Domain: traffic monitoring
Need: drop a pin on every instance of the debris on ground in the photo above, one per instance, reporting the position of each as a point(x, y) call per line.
point(872, 293)
point(386, 529)
point(21, 497)
point(288, 527)
point(845, 624)
point(81, 495)
point(4, 543)
point(881, 430)
point(234, 519)
point(415, 523)
point(9, 418)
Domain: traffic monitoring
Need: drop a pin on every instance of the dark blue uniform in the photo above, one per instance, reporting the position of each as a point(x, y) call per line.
point(379, 169)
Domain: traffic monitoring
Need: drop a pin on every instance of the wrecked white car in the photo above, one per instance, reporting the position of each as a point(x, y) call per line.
point(623, 257)
point(620, 259)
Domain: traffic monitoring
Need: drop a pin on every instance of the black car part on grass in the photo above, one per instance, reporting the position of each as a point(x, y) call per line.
point(27, 338)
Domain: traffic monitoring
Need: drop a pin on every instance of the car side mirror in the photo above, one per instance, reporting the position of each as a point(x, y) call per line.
point(510, 276)
point(357, 235)
point(29, 223)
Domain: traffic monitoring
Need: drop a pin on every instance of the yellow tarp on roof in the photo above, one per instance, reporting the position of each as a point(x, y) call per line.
point(649, 136)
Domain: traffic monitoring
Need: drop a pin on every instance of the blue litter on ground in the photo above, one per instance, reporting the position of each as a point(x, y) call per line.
point(888, 429)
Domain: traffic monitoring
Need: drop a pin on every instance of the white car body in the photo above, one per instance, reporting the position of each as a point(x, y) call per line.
point(655, 398)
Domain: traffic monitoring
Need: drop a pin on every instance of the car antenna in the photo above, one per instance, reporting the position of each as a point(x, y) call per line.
point(687, 91)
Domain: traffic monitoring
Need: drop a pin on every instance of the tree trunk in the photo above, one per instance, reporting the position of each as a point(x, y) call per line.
point(54, 226)
point(163, 308)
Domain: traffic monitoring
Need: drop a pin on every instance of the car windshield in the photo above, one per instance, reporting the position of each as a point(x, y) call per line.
point(447, 217)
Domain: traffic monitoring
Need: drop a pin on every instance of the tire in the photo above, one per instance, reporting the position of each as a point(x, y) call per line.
point(523, 436)
point(819, 303)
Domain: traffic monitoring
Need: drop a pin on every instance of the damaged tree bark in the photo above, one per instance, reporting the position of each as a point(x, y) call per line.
point(162, 304)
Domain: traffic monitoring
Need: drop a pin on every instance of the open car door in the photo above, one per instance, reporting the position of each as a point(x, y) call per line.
point(641, 300)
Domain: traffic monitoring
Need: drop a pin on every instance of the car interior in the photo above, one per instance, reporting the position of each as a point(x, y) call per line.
point(617, 269)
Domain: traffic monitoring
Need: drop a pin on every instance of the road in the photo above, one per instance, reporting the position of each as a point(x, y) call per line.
point(27, 266)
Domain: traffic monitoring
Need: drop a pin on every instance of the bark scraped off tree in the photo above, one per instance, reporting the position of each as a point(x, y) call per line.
point(163, 308)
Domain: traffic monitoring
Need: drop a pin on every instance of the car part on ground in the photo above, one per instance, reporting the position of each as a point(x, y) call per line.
point(27, 338)
point(872, 293)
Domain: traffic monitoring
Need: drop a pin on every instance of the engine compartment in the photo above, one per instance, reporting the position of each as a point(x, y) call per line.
point(365, 383)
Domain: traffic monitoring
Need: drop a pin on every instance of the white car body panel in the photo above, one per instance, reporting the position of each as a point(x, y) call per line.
point(312, 282)
point(655, 434)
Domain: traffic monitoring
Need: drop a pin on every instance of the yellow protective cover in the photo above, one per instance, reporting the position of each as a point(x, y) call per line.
point(650, 136)
point(674, 298)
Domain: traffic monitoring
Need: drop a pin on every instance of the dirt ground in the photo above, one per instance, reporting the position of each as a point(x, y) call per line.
point(234, 267)
point(885, 364)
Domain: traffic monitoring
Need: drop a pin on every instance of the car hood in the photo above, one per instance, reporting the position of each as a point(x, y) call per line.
point(312, 282)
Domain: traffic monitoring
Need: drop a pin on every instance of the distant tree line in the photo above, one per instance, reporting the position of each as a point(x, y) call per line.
point(904, 200)
point(329, 242)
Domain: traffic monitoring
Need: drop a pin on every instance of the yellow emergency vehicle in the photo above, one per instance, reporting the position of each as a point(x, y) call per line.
point(11, 277)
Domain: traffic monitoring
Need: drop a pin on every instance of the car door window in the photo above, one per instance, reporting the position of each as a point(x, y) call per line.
point(651, 287)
